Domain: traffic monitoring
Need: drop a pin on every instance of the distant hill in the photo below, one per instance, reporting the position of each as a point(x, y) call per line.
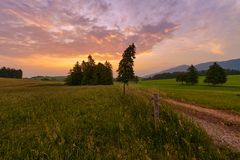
point(180, 68)
point(233, 64)
point(230, 64)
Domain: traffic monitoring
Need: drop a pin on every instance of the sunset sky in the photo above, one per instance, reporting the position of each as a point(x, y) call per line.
point(46, 37)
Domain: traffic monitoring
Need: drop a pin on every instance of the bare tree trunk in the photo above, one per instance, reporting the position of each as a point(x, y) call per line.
point(124, 88)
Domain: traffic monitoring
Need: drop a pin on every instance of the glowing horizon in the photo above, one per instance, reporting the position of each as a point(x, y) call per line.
point(46, 37)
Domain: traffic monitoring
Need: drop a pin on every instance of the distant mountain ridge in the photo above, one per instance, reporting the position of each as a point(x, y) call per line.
point(233, 64)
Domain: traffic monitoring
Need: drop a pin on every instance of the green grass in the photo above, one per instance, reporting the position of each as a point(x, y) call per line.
point(46, 120)
point(225, 96)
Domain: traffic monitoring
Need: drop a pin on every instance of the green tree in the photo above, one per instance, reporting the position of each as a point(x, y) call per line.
point(103, 74)
point(99, 73)
point(11, 73)
point(125, 69)
point(181, 77)
point(216, 75)
point(108, 73)
point(192, 75)
point(89, 72)
point(75, 75)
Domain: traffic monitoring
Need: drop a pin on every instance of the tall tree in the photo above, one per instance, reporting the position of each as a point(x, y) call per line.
point(125, 69)
point(103, 74)
point(216, 75)
point(89, 71)
point(108, 73)
point(192, 75)
point(75, 75)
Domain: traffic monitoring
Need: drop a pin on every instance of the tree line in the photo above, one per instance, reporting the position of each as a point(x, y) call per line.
point(175, 74)
point(214, 75)
point(90, 73)
point(11, 73)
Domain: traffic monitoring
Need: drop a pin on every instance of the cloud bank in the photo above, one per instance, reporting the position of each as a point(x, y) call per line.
point(163, 29)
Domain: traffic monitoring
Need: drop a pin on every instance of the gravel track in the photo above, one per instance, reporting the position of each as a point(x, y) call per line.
point(222, 126)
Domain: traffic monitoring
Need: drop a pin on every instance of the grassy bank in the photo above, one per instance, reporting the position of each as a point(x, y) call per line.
point(225, 96)
point(45, 120)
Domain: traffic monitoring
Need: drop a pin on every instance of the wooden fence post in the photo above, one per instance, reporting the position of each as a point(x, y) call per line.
point(156, 110)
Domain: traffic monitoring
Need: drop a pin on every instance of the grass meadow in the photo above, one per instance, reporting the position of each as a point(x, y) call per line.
point(225, 96)
point(47, 120)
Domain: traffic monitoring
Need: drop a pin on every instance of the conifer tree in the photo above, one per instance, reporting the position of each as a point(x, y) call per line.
point(125, 69)
point(108, 73)
point(75, 75)
point(89, 71)
point(11, 73)
point(192, 75)
point(103, 74)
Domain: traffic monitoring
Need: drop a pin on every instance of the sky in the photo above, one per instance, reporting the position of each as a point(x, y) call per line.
point(46, 37)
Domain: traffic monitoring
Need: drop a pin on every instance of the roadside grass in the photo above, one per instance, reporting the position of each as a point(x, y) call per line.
point(40, 120)
point(225, 96)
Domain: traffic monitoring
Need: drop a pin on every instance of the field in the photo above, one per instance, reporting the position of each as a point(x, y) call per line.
point(225, 96)
point(47, 120)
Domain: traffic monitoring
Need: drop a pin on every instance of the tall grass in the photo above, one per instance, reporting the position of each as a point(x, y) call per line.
point(61, 122)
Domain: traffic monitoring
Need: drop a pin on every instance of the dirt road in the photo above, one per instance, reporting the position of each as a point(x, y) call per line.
point(222, 126)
